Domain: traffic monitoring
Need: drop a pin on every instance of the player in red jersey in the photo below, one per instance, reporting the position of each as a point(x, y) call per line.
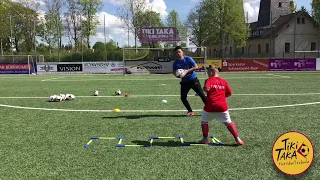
point(216, 107)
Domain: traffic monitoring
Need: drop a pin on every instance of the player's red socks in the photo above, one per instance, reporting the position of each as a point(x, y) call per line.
point(205, 129)
point(233, 129)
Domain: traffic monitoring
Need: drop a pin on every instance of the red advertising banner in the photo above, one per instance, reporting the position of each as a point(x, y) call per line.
point(158, 34)
point(245, 65)
point(15, 68)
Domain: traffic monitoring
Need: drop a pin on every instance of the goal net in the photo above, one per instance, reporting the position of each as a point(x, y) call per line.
point(159, 60)
point(19, 64)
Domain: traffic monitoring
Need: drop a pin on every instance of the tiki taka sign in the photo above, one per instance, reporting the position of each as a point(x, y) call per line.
point(159, 34)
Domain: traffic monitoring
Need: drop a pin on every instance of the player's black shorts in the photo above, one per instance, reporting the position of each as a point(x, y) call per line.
point(193, 84)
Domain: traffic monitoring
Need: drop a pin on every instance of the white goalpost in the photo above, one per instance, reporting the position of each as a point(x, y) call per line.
point(144, 61)
point(307, 54)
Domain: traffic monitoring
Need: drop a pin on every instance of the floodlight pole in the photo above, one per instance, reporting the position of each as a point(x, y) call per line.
point(35, 40)
point(294, 35)
point(318, 38)
point(11, 38)
point(105, 38)
point(1, 47)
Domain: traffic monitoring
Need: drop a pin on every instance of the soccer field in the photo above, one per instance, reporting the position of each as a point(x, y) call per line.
point(45, 140)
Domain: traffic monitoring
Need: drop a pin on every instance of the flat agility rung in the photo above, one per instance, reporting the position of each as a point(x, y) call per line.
point(162, 137)
point(129, 145)
point(101, 138)
point(104, 138)
point(157, 137)
point(187, 144)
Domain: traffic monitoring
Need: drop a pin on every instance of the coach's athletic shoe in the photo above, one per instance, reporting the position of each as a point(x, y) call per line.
point(190, 114)
point(205, 141)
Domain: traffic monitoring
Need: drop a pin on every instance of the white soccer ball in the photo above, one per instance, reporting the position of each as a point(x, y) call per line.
point(52, 98)
point(70, 97)
point(63, 96)
point(96, 93)
point(180, 73)
point(118, 92)
point(59, 98)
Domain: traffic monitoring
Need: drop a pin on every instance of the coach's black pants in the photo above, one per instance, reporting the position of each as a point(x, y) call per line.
point(185, 88)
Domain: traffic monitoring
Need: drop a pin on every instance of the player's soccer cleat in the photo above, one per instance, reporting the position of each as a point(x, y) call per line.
point(239, 143)
point(190, 114)
point(205, 141)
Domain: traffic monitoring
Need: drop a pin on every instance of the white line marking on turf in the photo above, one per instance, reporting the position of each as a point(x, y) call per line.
point(153, 79)
point(156, 110)
point(53, 79)
point(278, 76)
point(165, 95)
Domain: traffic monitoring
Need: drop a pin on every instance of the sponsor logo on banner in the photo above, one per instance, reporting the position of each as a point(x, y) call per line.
point(152, 66)
point(292, 65)
point(245, 65)
point(158, 34)
point(210, 63)
point(137, 69)
point(69, 67)
point(96, 64)
point(103, 67)
point(15, 68)
point(95, 67)
point(293, 153)
point(164, 59)
point(46, 68)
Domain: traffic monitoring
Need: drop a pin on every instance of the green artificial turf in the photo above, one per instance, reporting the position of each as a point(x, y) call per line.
point(46, 143)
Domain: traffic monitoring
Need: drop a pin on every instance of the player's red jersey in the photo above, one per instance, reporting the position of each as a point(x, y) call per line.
point(218, 91)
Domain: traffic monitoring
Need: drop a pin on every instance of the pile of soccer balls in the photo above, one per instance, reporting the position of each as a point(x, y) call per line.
point(61, 97)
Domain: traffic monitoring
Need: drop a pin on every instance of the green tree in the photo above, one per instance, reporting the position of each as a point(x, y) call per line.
point(51, 25)
point(173, 20)
point(148, 19)
point(4, 26)
point(99, 46)
point(22, 25)
point(216, 21)
point(197, 26)
point(90, 23)
point(25, 18)
point(48, 30)
point(73, 23)
point(128, 15)
point(315, 5)
point(293, 6)
point(304, 9)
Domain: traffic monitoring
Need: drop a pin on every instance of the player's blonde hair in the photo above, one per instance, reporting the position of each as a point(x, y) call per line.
point(213, 72)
